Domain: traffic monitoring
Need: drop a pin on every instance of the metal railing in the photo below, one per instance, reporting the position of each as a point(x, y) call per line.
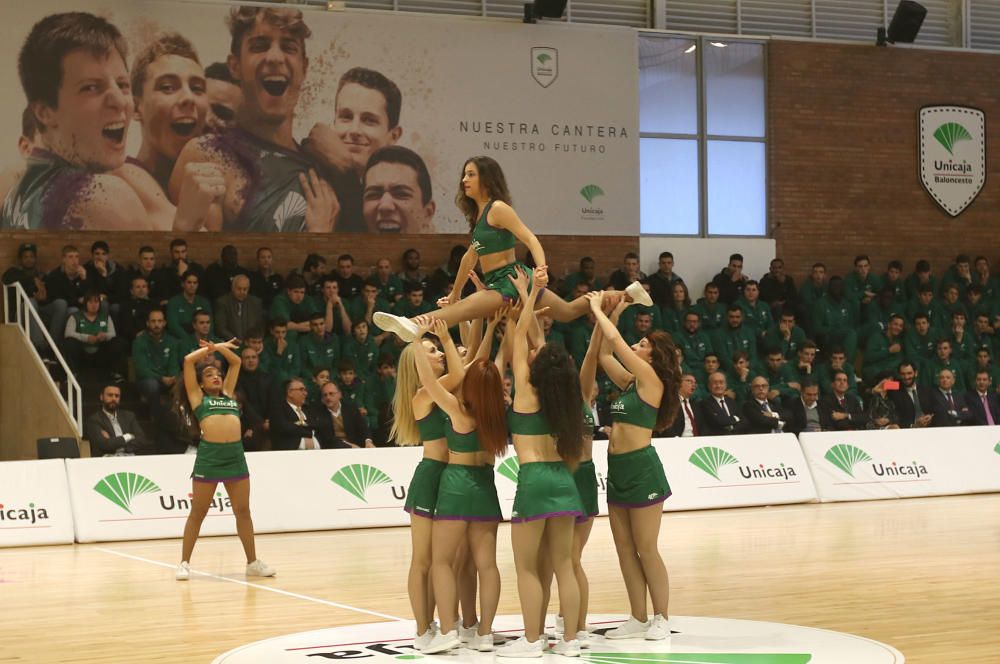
point(26, 317)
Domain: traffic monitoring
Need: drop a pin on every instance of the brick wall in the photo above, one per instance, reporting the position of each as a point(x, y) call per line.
point(563, 252)
point(844, 160)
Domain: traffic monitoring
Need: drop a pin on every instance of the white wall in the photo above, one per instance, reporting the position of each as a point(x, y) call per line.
point(697, 260)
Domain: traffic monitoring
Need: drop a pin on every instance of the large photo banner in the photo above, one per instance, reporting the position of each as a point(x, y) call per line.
point(158, 115)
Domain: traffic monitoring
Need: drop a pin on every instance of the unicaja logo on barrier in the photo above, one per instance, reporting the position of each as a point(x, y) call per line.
point(30, 514)
point(357, 478)
point(846, 457)
point(997, 448)
point(710, 459)
point(121, 488)
point(510, 469)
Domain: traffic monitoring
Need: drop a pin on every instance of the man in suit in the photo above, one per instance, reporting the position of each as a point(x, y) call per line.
point(339, 422)
point(802, 412)
point(912, 400)
point(759, 414)
point(112, 431)
point(719, 412)
point(688, 421)
point(291, 427)
point(841, 411)
point(255, 389)
point(238, 312)
point(949, 407)
point(984, 403)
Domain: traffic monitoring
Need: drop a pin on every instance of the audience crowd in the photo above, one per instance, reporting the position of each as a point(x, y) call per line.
point(861, 351)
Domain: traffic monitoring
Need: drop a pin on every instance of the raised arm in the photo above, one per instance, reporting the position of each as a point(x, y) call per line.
point(633, 364)
point(588, 370)
point(503, 216)
point(468, 262)
point(194, 393)
point(456, 370)
point(485, 345)
point(519, 352)
point(226, 350)
point(442, 397)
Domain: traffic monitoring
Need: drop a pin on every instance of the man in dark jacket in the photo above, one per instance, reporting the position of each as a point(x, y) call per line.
point(339, 422)
point(112, 431)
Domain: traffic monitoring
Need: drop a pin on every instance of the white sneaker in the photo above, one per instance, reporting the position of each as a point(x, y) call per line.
point(522, 648)
point(583, 636)
point(567, 648)
point(260, 568)
point(442, 642)
point(183, 572)
point(466, 634)
point(421, 641)
point(638, 294)
point(403, 328)
point(630, 629)
point(481, 642)
point(658, 629)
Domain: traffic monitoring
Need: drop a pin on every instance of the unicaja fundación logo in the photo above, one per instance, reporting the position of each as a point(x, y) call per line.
point(121, 488)
point(846, 457)
point(357, 478)
point(710, 459)
point(590, 192)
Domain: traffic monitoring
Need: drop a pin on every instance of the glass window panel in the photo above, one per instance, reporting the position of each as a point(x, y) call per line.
point(737, 188)
point(668, 186)
point(668, 87)
point(734, 88)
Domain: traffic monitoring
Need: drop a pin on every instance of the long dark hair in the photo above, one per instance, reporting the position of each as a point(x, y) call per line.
point(491, 180)
point(482, 392)
point(668, 370)
point(554, 376)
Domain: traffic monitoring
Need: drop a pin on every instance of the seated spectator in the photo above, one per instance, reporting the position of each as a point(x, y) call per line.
point(836, 319)
point(280, 357)
point(786, 336)
point(943, 360)
point(438, 286)
point(919, 278)
point(737, 379)
point(319, 349)
point(884, 350)
point(983, 362)
point(370, 302)
point(777, 289)
point(709, 310)
point(361, 349)
point(220, 274)
point(238, 312)
point(171, 275)
point(157, 363)
point(390, 286)
point(802, 411)
point(881, 411)
point(627, 273)
point(626, 322)
point(90, 340)
point(182, 308)
point(760, 414)
point(411, 274)
point(735, 337)
point(147, 270)
point(313, 271)
point(201, 330)
point(340, 423)
point(104, 275)
point(134, 310)
point(336, 310)
point(840, 410)
point(350, 283)
point(963, 344)
point(719, 412)
point(920, 341)
point(113, 431)
point(66, 283)
point(925, 305)
point(661, 282)
point(255, 388)
point(781, 376)
point(912, 400)
point(975, 303)
point(861, 286)
point(948, 406)
point(804, 366)
point(731, 280)
point(294, 306)
point(552, 335)
point(693, 341)
point(876, 314)
point(837, 362)
point(413, 302)
point(983, 401)
point(385, 391)
point(587, 274)
point(52, 311)
point(357, 390)
point(951, 301)
point(640, 325)
point(265, 283)
point(989, 286)
point(319, 378)
point(709, 366)
point(813, 290)
point(673, 312)
point(292, 428)
point(893, 280)
point(756, 314)
point(686, 424)
point(958, 275)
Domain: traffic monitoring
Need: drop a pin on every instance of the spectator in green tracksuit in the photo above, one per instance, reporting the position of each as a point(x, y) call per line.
point(836, 320)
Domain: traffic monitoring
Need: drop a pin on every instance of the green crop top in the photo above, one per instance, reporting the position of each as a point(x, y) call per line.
point(461, 442)
point(488, 239)
point(220, 405)
point(631, 409)
point(434, 426)
point(527, 424)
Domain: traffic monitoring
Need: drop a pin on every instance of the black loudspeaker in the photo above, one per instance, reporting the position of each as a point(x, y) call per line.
point(550, 8)
point(906, 22)
point(58, 448)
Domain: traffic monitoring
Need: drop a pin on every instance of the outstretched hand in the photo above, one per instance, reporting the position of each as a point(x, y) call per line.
point(541, 277)
point(424, 324)
point(594, 298)
point(520, 282)
point(439, 328)
point(474, 278)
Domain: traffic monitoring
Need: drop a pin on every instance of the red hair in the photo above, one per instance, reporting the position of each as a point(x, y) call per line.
point(482, 391)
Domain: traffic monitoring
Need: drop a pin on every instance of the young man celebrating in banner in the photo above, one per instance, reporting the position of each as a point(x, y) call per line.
point(72, 68)
point(270, 185)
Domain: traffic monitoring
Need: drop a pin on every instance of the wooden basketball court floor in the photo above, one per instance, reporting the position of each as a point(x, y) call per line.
point(922, 575)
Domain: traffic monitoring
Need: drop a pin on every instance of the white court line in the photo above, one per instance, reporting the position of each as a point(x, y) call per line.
point(251, 585)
